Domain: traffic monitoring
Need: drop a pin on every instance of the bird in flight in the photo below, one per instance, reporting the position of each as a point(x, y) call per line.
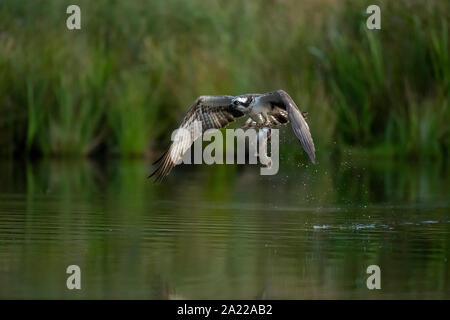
point(266, 110)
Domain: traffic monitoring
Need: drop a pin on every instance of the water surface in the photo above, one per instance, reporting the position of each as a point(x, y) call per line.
point(309, 232)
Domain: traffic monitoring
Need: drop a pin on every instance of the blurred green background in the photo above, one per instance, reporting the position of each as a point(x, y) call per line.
point(123, 82)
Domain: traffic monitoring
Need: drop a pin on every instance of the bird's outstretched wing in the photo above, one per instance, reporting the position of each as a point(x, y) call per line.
point(207, 112)
point(299, 125)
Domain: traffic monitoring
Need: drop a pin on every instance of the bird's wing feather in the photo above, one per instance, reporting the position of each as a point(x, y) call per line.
point(298, 123)
point(207, 112)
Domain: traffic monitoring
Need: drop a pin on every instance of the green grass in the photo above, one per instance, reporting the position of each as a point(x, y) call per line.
point(119, 85)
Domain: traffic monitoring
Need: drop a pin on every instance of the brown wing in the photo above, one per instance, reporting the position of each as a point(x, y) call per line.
point(207, 112)
point(280, 99)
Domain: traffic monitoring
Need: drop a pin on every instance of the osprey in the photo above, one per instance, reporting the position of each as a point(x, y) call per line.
point(214, 112)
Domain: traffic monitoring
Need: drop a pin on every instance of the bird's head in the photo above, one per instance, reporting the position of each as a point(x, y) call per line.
point(241, 103)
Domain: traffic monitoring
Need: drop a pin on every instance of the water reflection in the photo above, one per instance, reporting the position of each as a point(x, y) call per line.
point(224, 232)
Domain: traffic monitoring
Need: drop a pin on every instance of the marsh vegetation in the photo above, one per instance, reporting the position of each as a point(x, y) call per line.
point(123, 81)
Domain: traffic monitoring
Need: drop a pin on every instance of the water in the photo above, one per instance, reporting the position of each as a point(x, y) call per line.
point(215, 232)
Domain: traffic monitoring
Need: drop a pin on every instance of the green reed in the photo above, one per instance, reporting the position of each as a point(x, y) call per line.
point(122, 83)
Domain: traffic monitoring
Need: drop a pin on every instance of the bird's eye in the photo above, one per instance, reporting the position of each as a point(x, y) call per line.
point(236, 102)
